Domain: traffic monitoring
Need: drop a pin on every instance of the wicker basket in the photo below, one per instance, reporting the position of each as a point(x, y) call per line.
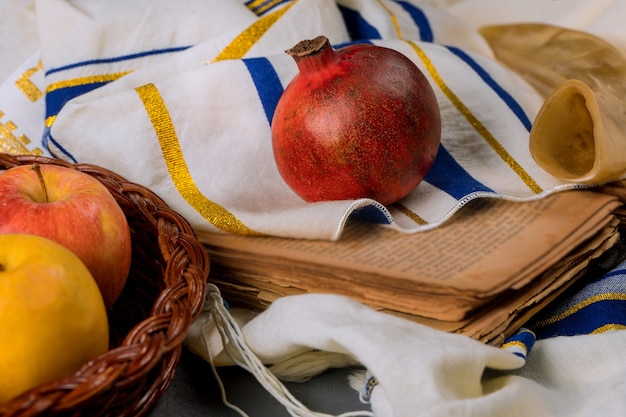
point(163, 294)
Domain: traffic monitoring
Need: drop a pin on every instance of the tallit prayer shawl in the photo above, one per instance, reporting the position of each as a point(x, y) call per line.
point(179, 96)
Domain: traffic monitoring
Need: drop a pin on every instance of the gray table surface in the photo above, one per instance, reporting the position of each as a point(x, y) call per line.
point(194, 392)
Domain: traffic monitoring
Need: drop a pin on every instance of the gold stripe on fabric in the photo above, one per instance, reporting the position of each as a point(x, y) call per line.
point(170, 146)
point(26, 86)
point(50, 120)
point(410, 214)
point(609, 327)
point(519, 343)
point(177, 167)
point(246, 39)
point(516, 343)
point(574, 309)
point(478, 126)
point(394, 19)
point(85, 80)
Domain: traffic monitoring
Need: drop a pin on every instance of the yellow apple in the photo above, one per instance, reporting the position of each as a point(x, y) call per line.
point(73, 209)
point(52, 315)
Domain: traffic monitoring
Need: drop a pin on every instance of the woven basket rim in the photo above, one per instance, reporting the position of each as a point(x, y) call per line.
point(132, 376)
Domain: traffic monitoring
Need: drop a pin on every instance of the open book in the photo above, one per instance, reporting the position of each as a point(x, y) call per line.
point(483, 273)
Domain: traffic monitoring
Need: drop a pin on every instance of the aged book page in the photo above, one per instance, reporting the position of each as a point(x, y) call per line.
point(490, 324)
point(488, 248)
point(500, 318)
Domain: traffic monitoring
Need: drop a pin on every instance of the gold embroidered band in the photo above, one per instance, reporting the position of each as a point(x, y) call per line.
point(410, 214)
point(246, 39)
point(12, 144)
point(608, 327)
point(26, 86)
point(177, 167)
point(575, 308)
point(74, 82)
point(170, 146)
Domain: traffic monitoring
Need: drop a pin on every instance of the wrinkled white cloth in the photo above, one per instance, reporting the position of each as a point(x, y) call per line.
point(180, 99)
point(423, 372)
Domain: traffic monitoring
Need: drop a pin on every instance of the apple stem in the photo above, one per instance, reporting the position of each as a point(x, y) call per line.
point(37, 170)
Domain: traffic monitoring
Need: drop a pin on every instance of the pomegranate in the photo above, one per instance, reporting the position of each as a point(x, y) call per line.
point(359, 121)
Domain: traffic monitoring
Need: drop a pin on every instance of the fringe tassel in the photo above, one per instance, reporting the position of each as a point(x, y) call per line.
point(305, 366)
point(239, 352)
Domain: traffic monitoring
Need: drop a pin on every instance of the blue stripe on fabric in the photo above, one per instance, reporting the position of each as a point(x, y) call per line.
point(267, 83)
point(523, 337)
point(358, 27)
point(613, 282)
point(48, 138)
point(607, 306)
point(501, 92)
point(420, 19)
point(55, 100)
point(586, 320)
point(117, 59)
point(371, 214)
point(450, 177)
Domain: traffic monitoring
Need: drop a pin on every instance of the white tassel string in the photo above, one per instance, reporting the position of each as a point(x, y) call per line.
point(239, 352)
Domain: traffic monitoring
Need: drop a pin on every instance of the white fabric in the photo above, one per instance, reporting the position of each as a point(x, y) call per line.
point(424, 372)
point(18, 26)
point(600, 17)
point(217, 168)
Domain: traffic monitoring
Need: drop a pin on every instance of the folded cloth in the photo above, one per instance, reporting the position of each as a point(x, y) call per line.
point(413, 370)
point(565, 361)
point(180, 99)
point(151, 90)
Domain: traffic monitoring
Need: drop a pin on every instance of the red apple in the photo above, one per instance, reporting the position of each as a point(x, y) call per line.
point(75, 210)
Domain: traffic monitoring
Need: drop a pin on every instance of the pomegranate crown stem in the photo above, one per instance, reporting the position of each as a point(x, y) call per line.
point(313, 54)
point(308, 47)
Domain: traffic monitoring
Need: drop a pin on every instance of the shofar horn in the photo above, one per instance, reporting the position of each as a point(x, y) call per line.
point(579, 134)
